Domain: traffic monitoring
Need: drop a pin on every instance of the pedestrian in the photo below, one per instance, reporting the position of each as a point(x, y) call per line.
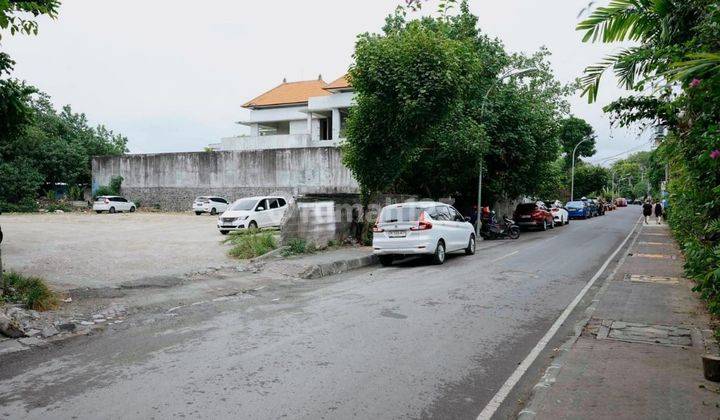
point(658, 212)
point(647, 210)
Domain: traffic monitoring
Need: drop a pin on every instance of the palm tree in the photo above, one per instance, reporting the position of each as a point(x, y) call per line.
point(658, 26)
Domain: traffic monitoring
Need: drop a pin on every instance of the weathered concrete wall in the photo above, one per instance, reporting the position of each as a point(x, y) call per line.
point(171, 181)
point(321, 218)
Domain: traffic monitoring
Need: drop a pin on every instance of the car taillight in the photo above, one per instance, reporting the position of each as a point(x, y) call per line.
point(554, 210)
point(376, 228)
point(422, 223)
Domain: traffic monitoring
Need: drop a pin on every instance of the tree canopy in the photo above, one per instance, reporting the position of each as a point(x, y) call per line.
point(431, 106)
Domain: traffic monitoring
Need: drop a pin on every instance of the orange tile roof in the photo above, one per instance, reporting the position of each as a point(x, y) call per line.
point(339, 83)
point(289, 93)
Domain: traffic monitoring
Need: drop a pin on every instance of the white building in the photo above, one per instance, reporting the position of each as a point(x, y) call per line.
point(308, 113)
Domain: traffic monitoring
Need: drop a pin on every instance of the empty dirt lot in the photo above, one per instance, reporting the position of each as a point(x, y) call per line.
point(97, 250)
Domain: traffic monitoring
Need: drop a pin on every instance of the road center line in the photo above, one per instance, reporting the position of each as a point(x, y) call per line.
point(510, 383)
point(504, 256)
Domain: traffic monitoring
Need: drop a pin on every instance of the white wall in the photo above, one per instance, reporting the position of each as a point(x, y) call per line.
point(298, 126)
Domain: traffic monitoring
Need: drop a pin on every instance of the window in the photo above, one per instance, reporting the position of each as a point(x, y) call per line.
point(443, 213)
point(282, 202)
point(456, 216)
point(273, 203)
point(401, 214)
point(244, 204)
point(118, 200)
point(262, 205)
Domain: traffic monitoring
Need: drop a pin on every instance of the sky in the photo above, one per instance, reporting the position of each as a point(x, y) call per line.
point(171, 75)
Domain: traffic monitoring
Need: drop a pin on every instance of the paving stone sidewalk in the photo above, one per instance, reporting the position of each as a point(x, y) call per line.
point(639, 353)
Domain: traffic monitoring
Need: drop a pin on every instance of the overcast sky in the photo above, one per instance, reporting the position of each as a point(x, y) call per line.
point(171, 74)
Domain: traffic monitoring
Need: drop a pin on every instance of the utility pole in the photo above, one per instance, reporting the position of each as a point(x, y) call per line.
point(502, 77)
point(572, 176)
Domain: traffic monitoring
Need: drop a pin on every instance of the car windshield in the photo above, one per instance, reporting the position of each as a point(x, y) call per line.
point(244, 204)
point(526, 208)
point(203, 199)
point(575, 204)
point(401, 214)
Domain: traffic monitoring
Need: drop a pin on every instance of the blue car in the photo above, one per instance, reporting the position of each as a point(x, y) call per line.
point(578, 210)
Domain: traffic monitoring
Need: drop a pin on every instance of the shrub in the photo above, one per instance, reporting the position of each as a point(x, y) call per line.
point(33, 292)
point(297, 246)
point(25, 206)
point(75, 193)
point(59, 206)
point(112, 189)
point(250, 244)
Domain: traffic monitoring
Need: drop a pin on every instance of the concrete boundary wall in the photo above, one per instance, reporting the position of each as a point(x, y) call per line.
point(170, 181)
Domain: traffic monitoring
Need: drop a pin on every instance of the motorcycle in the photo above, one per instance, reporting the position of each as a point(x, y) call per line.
point(492, 230)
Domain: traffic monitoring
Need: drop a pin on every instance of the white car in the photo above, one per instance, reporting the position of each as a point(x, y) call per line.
point(560, 215)
point(252, 213)
point(209, 204)
point(112, 204)
point(421, 228)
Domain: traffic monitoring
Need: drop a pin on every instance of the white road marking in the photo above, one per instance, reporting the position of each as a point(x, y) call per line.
point(510, 383)
point(505, 256)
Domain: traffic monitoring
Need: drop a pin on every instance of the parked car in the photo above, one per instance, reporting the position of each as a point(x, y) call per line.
point(533, 215)
point(112, 204)
point(560, 215)
point(621, 202)
point(421, 228)
point(252, 213)
point(592, 206)
point(209, 204)
point(578, 210)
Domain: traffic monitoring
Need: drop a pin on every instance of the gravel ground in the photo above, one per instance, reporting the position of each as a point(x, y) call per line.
point(96, 250)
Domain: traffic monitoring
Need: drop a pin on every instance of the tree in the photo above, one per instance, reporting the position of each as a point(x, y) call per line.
point(18, 16)
point(590, 180)
point(430, 106)
point(573, 130)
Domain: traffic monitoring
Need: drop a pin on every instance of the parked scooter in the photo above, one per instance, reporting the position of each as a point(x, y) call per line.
point(491, 229)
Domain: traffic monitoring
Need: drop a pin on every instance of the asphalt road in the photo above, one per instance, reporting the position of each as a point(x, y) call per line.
point(408, 341)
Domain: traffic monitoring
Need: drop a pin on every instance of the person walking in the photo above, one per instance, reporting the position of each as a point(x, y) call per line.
point(658, 212)
point(647, 210)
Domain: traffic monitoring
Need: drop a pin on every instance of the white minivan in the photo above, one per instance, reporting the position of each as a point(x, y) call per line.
point(209, 204)
point(252, 213)
point(112, 204)
point(421, 228)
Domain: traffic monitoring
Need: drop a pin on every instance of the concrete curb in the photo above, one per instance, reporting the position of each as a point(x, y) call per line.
point(271, 254)
point(317, 271)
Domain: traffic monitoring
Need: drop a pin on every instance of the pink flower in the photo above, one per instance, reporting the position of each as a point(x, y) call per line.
point(715, 154)
point(695, 83)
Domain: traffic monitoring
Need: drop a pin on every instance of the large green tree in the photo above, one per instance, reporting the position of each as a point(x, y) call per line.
point(431, 106)
point(573, 131)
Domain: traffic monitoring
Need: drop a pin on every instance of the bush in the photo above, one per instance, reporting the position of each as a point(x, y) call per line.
point(75, 193)
point(59, 206)
point(250, 244)
point(112, 189)
point(33, 292)
point(297, 246)
point(25, 206)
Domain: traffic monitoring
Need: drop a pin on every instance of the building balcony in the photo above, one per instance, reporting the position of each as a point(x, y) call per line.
point(276, 141)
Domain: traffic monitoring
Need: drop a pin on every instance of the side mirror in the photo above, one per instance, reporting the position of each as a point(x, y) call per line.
point(467, 219)
point(260, 209)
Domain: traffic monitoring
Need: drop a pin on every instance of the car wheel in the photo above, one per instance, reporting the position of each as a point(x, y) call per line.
point(198, 213)
point(567, 221)
point(544, 226)
point(252, 225)
point(112, 210)
point(98, 211)
point(386, 260)
point(552, 224)
point(470, 250)
point(514, 232)
point(213, 212)
point(223, 232)
point(439, 255)
point(132, 209)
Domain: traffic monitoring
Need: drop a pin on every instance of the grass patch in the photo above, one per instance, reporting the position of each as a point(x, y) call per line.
point(250, 244)
point(298, 246)
point(33, 292)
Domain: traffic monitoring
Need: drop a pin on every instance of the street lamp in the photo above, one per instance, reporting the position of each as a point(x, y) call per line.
point(509, 73)
point(572, 176)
